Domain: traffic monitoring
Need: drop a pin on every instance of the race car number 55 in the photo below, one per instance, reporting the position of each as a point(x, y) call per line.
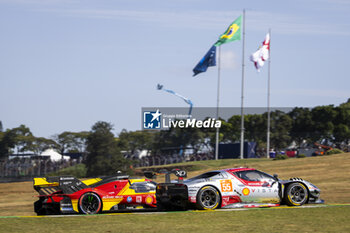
point(226, 185)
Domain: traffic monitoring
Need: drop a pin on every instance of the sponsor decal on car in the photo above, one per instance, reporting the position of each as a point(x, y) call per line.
point(129, 199)
point(66, 204)
point(246, 191)
point(225, 200)
point(66, 209)
point(138, 199)
point(149, 200)
point(192, 191)
point(226, 185)
point(192, 199)
point(264, 190)
point(66, 178)
point(228, 200)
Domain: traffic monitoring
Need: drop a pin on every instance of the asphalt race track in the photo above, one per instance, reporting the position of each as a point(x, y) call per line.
point(148, 211)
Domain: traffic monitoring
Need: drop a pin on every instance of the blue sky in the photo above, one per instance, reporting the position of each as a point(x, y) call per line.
point(65, 64)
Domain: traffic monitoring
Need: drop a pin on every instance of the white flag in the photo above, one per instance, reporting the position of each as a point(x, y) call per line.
point(262, 54)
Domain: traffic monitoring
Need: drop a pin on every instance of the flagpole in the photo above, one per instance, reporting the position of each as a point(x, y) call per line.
point(268, 101)
point(217, 108)
point(242, 91)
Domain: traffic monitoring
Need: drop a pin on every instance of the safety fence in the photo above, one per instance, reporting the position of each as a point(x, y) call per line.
point(29, 167)
point(19, 168)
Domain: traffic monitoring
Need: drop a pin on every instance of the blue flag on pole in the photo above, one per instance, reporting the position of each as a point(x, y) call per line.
point(208, 60)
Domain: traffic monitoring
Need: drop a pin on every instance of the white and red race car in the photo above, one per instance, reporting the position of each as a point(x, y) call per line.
point(234, 188)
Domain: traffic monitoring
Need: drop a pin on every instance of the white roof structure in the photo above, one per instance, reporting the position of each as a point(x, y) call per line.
point(142, 153)
point(54, 156)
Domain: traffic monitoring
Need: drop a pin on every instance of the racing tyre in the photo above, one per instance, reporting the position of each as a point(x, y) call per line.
point(90, 203)
point(296, 194)
point(208, 198)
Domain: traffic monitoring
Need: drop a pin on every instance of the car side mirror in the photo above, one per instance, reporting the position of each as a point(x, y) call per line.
point(275, 176)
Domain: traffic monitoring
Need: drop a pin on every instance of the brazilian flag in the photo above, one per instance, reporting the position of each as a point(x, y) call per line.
point(232, 33)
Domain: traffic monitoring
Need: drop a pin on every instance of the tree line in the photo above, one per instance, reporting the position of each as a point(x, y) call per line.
point(104, 150)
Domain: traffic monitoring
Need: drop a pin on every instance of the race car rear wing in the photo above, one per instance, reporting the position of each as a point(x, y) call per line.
point(178, 172)
point(49, 185)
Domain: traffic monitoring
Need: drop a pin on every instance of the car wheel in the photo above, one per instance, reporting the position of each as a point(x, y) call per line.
point(208, 198)
point(296, 194)
point(90, 203)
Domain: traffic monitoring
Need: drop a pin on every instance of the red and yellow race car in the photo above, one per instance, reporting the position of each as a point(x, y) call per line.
point(66, 194)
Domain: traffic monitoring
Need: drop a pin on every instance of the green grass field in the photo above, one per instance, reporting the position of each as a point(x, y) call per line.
point(330, 173)
point(325, 219)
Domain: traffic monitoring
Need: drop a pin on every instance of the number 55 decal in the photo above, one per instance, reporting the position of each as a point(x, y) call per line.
point(226, 185)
